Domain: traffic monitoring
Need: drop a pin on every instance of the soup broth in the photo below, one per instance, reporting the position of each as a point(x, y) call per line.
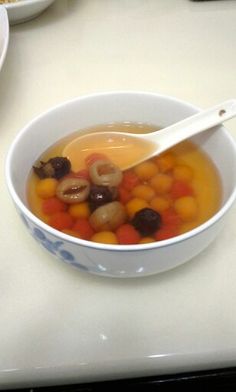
point(158, 199)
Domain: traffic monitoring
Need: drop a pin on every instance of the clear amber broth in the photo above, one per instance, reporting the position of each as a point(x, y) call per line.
point(206, 182)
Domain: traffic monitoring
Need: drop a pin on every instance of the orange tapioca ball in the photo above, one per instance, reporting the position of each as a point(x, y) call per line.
point(143, 191)
point(186, 207)
point(170, 218)
point(146, 170)
point(127, 234)
point(73, 233)
point(129, 180)
point(105, 237)
point(183, 173)
point(181, 188)
point(160, 203)
point(46, 188)
point(165, 161)
point(124, 195)
point(52, 205)
point(61, 221)
point(83, 228)
point(166, 232)
point(134, 205)
point(161, 183)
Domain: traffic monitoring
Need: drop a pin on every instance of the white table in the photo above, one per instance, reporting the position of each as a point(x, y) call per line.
point(59, 325)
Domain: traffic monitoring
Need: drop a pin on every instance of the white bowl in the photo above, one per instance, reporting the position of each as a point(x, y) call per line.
point(4, 34)
point(117, 260)
point(23, 10)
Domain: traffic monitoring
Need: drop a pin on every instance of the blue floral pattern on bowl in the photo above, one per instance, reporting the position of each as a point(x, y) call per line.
point(54, 247)
point(59, 249)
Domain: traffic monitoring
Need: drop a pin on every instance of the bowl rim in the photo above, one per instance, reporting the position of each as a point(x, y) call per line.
point(23, 3)
point(100, 246)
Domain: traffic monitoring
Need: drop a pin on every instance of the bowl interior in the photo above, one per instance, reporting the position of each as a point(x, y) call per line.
point(84, 112)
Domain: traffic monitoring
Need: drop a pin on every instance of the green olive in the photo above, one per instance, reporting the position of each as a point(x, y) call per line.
point(73, 190)
point(104, 172)
point(108, 217)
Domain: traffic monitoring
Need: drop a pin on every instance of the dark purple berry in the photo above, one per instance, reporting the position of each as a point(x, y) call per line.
point(146, 221)
point(99, 195)
point(56, 167)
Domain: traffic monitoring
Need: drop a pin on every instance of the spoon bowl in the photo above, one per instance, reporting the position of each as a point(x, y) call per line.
point(116, 145)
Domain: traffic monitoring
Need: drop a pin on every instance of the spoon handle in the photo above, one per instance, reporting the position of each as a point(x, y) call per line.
point(192, 125)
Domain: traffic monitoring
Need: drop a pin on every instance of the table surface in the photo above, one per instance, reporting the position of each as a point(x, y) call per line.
point(59, 325)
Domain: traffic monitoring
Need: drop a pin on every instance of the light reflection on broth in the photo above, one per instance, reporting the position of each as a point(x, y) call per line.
point(123, 151)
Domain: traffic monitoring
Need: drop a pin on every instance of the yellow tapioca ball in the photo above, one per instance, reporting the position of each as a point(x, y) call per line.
point(143, 191)
point(105, 237)
point(46, 188)
point(186, 207)
point(80, 210)
point(165, 161)
point(182, 173)
point(161, 183)
point(146, 240)
point(134, 205)
point(146, 170)
point(159, 203)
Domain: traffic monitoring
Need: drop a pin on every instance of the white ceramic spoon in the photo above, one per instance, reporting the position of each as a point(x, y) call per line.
point(117, 145)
